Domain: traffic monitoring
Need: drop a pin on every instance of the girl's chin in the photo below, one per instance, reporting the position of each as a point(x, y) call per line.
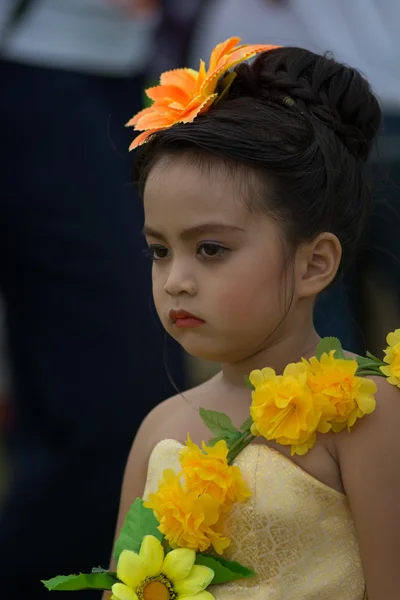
point(203, 349)
point(208, 351)
point(205, 343)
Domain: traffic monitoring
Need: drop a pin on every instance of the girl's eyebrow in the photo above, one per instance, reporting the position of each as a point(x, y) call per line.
point(194, 231)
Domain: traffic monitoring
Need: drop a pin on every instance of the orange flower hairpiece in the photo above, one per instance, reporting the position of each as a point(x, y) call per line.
point(183, 94)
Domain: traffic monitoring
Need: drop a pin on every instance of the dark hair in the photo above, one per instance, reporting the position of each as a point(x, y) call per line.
point(305, 125)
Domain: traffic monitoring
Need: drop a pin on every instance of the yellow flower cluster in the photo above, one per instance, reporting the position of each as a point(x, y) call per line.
point(208, 472)
point(311, 396)
point(190, 506)
point(392, 358)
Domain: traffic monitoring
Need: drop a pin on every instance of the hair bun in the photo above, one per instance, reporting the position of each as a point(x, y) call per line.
point(320, 89)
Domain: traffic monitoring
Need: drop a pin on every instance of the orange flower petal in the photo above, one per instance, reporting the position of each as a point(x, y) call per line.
point(183, 78)
point(168, 115)
point(211, 81)
point(195, 109)
point(220, 50)
point(240, 54)
point(247, 52)
point(201, 77)
point(176, 106)
point(143, 137)
point(166, 107)
point(168, 92)
point(156, 120)
point(138, 116)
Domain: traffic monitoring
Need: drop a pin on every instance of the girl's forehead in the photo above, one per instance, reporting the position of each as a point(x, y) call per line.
point(181, 197)
point(177, 187)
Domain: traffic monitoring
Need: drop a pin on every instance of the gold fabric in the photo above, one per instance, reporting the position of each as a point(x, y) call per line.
point(295, 532)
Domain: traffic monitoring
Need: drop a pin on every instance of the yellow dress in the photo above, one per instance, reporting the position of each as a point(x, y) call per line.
point(295, 532)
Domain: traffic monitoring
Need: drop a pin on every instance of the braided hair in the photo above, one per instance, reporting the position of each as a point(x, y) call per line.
point(304, 124)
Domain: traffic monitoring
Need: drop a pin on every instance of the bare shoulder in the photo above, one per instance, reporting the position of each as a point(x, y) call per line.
point(369, 457)
point(381, 425)
point(375, 435)
point(172, 419)
point(387, 400)
point(176, 417)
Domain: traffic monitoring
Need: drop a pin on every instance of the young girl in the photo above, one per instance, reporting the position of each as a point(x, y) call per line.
point(252, 208)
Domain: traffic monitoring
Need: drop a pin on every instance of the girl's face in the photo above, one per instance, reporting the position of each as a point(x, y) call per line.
point(213, 259)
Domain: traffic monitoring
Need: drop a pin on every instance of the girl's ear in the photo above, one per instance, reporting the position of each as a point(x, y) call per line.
point(317, 263)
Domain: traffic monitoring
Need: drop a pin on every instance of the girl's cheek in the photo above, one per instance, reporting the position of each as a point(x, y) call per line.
point(239, 299)
point(245, 297)
point(158, 294)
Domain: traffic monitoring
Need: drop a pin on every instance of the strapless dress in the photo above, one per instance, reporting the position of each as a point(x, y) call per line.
point(295, 532)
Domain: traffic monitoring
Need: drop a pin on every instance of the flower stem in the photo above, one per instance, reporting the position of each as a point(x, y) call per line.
point(370, 372)
point(237, 444)
point(245, 439)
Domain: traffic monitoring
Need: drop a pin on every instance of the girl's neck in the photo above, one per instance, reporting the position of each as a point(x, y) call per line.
point(289, 347)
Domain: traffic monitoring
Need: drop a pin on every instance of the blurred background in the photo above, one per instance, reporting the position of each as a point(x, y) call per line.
point(82, 354)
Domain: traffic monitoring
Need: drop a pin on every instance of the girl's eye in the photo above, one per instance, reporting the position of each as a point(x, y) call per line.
point(157, 251)
point(210, 250)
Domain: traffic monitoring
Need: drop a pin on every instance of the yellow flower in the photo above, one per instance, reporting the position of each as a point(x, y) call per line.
point(208, 472)
point(150, 575)
point(186, 519)
point(349, 397)
point(284, 409)
point(392, 357)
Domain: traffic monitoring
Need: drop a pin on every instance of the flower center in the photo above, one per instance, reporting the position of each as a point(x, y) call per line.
point(156, 588)
point(279, 418)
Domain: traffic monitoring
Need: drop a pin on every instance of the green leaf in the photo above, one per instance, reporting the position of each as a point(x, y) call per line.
point(224, 570)
point(229, 438)
point(248, 383)
point(140, 521)
point(374, 358)
point(166, 545)
point(145, 99)
point(247, 424)
point(372, 373)
point(73, 583)
point(363, 361)
point(218, 423)
point(213, 441)
point(101, 570)
point(326, 345)
point(225, 84)
point(367, 363)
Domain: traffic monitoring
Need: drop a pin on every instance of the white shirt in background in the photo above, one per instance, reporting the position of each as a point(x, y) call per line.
point(94, 36)
point(362, 33)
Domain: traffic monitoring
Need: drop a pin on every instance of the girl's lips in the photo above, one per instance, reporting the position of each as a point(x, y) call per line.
point(189, 322)
point(184, 319)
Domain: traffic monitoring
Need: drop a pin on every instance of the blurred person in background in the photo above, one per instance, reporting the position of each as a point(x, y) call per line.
point(86, 351)
point(365, 304)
